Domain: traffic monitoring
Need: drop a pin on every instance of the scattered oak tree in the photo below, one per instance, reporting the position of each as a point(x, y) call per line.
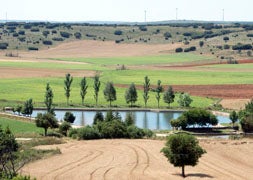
point(182, 149)
point(67, 83)
point(131, 94)
point(83, 90)
point(110, 93)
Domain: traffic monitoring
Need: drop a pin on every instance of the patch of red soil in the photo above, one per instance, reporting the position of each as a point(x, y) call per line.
point(228, 91)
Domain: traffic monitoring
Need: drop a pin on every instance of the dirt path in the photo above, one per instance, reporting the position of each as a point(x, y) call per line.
point(141, 159)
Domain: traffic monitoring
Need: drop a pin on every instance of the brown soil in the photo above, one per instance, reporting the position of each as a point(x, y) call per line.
point(141, 159)
point(10, 72)
point(88, 48)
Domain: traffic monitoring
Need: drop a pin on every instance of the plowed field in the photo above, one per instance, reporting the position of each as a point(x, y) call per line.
point(141, 159)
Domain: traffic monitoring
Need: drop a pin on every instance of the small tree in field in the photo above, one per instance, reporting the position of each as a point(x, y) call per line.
point(131, 94)
point(182, 149)
point(83, 90)
point(184, 100)
point(96, 87)
point(233, 116)
point(46, 121)
point(158, 90)
point(169, 96)
point(146, 89)
point(110, 93)
point(67, 85)
point(49, 99)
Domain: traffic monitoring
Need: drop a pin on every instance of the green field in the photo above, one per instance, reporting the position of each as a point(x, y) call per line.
point(14, 91)
point(143, 60)
point(35, 88)
point(20, 127)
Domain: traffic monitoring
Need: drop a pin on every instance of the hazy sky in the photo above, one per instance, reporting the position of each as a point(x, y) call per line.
point(125, 10)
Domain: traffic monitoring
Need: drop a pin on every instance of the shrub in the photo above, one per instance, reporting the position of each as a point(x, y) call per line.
point(35, 30)
point(69, 117)
point(47, 42)
point(54, 32)
point(27, 26)
point(118, 32)
point(57, 39)
point(242, 47)
point(4, 45)
point(112, 129)
point(247, 123)
point(249, 35)
point(15, 34)
point(33, 48)
point(45, 33)
point(73, 133)
point(226, 46)
point(192, 48)
point(65, 34)
point(178, 50)
point(135, 132)
point(143, 28)
point(21, 32)
point(148, 133)
point(88, 132)
point(78, 35)
point(64, 127)
point(226, 38)
point(167, 35)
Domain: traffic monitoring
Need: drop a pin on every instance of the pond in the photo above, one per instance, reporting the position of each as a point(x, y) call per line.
point(143, 119)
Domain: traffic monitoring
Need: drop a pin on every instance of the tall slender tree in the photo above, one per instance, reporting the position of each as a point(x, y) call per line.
point(158, 90)
point(67, 85)
point(49, 99)
point(169, 96)
point(146, 89)
point(96, 87)
point(83, 90)
point(131, 94)
point(110, 93)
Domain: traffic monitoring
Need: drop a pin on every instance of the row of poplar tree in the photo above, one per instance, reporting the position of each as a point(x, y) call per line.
point(131, 95)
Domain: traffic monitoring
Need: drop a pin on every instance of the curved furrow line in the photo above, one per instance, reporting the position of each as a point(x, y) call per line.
point(147, 157)
point(78, 164)
point(107, 171)
point(66, 165)
point(137, 158)
point(93, 172)
point(221, 170)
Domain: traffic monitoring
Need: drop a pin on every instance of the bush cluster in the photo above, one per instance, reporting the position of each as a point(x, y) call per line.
point(109, 127)
point(65, 34)
point(4, 45)
point(195, 117)
point(192, 48)
point(242, 47)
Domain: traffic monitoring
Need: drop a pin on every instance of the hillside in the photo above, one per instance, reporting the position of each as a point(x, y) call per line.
point(217, 40)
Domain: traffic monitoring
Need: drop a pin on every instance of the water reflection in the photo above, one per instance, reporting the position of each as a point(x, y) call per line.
point(143, 119)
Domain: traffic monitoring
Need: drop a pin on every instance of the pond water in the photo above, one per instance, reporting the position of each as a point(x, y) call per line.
point(143, 119)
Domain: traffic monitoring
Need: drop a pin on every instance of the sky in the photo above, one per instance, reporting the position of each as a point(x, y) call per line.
point(126, 10)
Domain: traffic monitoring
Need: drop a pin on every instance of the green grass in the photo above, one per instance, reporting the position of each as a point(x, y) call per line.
point(35, 88)
point(174, 77)
point(142, 60)
point(20, 127)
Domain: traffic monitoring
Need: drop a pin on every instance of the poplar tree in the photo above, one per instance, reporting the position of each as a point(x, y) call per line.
point(83, 90)
point(67, 85)
point(146, 89)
